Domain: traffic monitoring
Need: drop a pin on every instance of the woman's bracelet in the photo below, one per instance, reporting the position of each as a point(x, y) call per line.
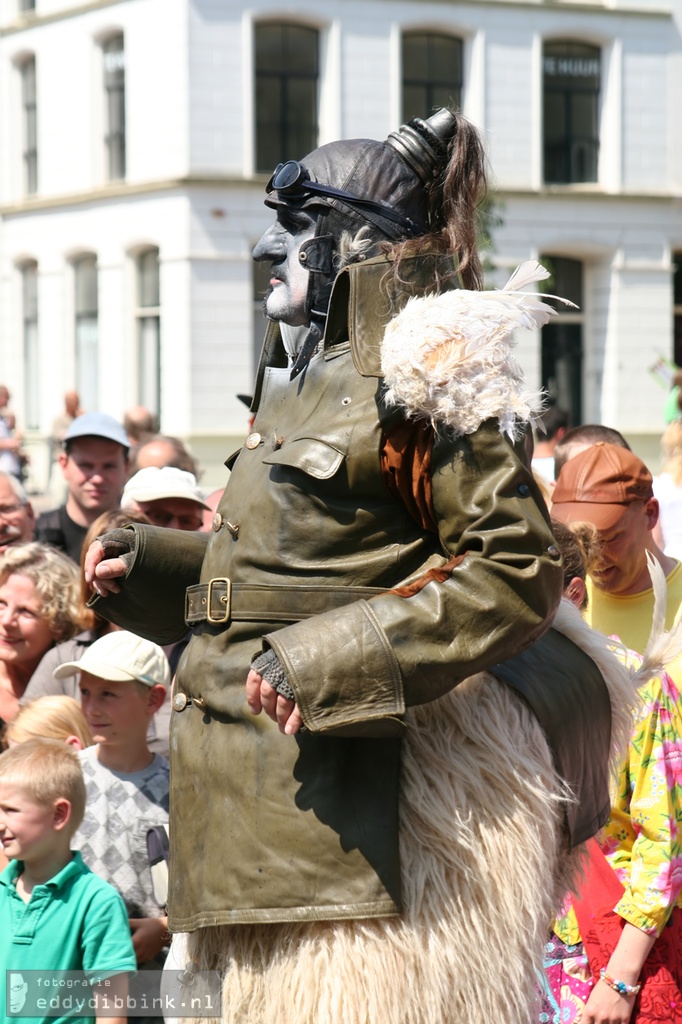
point(618, 986)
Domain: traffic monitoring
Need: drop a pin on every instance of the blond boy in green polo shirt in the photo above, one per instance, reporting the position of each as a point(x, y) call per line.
point(55, 914)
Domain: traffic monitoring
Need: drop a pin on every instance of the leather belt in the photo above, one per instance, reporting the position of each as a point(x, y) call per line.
point(221, 601)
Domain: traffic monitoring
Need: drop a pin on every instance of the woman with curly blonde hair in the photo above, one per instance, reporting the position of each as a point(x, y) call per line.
point(39, 607)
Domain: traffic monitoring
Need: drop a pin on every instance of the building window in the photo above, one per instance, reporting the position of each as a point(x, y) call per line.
point(114, 89)
point(148, 315)
point(432, 73)
point(87, 335)
point(28, 100)
point(286, 93)
point(677, 307)
point(562, 338)
point(572, 77)
point(29, 288)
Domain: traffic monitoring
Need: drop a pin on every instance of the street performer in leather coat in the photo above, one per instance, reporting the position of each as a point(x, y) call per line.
point(356, 838)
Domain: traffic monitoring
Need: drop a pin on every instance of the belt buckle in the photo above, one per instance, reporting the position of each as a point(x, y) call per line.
point(226, 600)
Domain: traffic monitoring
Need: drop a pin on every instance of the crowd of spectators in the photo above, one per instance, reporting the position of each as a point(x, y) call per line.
point(67, 675)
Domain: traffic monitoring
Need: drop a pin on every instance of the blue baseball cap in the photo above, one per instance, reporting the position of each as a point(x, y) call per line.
point(97, 424)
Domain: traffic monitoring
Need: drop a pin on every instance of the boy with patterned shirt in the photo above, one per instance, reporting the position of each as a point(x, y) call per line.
point(55, 913)
point(123, 682)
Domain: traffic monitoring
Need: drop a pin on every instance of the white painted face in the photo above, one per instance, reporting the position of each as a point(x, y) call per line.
point(285, 300)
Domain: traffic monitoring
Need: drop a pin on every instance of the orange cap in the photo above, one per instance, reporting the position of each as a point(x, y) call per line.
point(597, 485)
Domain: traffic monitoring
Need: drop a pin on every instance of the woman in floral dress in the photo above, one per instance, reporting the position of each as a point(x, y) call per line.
point(642, 842)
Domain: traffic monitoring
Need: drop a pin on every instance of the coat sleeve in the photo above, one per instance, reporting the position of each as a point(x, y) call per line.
point(354, 670)
point(152, 598)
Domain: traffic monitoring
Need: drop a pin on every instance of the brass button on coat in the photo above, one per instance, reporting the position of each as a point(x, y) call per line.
point(180, 701)
point(217, 522)
point(253, 440)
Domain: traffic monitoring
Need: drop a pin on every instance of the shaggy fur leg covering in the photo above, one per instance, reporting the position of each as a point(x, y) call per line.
point(483, 874)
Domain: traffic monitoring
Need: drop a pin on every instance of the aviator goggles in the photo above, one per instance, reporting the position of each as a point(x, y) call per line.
point(293, 179)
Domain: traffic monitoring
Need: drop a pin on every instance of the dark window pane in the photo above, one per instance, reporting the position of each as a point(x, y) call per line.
point(87, 362)
point(677, 300)
point(28, 98)
point(87, 332)
point(29, 282)
point(562, 357)
point(677, 279)
point(415, 60)
point(584, 115)
point(286, 93)
point(442, 96)
point(261, 284)
point(269, 124)
point(270, 47)
point(432, 73)
point(114, 87)
point(28, 81)
point(677, 351)
point(29, 278)
point(149, 364)
point(148, 278)
point(566, 279)
point(301, 49)
point(445, 59)
point(572, 74)
point(415, 97)
point(86, 286)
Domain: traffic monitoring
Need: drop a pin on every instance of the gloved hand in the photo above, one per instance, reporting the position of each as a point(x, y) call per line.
point(108, 560)
point(270, 668)
point(119, 544)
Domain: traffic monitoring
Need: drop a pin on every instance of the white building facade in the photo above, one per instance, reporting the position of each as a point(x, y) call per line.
point(136, 137)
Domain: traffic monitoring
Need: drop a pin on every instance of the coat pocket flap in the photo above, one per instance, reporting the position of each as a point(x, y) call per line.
point(311, 455)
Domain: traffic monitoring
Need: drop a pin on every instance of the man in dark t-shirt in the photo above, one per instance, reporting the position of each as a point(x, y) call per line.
point(94, 463)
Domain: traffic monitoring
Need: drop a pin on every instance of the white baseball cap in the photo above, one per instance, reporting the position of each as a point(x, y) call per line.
point(121, 657)
point(156, 482)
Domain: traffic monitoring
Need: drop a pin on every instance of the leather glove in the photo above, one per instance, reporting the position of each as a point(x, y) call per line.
point(270, 668)
point(119, 544)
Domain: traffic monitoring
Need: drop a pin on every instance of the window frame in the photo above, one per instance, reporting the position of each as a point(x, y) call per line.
point(293, 139)
point(572, 144)
point(430, 84)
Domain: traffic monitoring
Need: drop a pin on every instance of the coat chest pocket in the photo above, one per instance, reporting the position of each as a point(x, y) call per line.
point(311, 455)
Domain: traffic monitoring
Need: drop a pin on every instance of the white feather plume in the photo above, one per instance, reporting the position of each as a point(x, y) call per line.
point(448, 358)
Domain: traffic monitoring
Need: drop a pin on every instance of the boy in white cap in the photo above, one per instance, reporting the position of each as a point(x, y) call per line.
point(123, 682)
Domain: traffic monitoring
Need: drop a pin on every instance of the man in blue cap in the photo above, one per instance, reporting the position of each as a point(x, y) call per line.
point(94, 462)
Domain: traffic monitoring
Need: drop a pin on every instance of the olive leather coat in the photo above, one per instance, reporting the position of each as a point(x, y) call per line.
point(370, 611)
